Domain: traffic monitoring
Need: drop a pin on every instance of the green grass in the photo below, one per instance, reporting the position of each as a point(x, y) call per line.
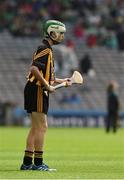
point(77, 153)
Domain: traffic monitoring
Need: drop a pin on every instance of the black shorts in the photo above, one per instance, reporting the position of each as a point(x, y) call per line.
point(36, 99)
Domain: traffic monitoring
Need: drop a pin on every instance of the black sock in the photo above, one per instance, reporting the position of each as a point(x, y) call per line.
point(38, 158)
point(27, 160)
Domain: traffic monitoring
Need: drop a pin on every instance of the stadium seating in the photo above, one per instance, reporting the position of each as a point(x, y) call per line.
point(15, 58)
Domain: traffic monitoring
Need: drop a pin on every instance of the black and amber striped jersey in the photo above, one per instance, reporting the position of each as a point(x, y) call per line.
point(42, 58)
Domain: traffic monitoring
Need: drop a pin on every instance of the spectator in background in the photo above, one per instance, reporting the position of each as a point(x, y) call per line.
point(86, 66)
point(79, 32)
point(70, 43)
point(111, 40)
point(73, 98)
point(55, 9)
point(2, 113)
point(113, 106)
point(120, 38)
point(91, 40)
point(67, 61)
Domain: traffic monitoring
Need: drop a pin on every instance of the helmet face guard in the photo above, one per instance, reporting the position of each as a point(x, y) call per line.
point(53, 26)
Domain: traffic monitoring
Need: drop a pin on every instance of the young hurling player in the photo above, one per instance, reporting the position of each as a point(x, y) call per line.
point(36, 94)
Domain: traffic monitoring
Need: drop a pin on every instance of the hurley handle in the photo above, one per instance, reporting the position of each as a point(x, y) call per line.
point(60, 85)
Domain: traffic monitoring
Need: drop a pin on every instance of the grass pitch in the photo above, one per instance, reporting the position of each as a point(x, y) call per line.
point(76, 153)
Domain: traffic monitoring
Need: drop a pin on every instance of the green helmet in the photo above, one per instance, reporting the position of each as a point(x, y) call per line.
point(53, 26)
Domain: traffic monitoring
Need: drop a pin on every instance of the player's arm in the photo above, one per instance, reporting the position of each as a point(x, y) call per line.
point(35, 71)
point(39, 63)
point(67, 80)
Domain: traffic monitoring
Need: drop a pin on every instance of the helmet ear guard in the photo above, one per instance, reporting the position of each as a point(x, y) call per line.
point(53, 35)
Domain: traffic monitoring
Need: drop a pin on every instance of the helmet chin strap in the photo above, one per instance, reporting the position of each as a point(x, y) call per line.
point(55, 42)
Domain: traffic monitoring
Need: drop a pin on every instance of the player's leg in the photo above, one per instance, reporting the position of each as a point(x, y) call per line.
point(35, 140)
point(114, 123)
point(108, 123)
point(39, 124)
point(30, 138)
point(28, 156)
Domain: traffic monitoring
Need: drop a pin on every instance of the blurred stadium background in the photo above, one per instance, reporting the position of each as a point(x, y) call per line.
point(95, 28)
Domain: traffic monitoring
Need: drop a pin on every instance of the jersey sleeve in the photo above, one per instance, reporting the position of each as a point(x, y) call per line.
point(40, 58)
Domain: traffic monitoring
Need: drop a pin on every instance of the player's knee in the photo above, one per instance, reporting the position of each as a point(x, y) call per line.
point(44, 128)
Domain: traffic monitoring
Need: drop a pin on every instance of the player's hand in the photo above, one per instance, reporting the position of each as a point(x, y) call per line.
point(50, 88)
point(68, 82)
